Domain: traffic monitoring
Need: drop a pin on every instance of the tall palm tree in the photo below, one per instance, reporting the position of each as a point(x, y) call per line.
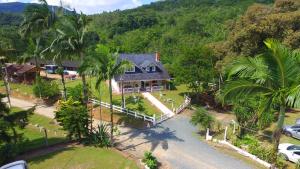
point(4, 78)
point(112, 66)
point(72, 32)
point(273, 75)
point(38, 19)
point(95, 66)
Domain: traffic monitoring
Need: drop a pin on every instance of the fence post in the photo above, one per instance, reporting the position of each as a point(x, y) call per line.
point(46, 136)
point(135, 114)
point(225, 134)
point(234, 125)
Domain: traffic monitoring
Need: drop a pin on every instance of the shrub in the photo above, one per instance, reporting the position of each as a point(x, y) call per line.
point(100, 136)
point(203, 118)
point(46, 89)
point(75, 93)
point(150, 160)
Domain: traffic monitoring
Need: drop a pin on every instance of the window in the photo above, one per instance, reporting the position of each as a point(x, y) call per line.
point(297, 153)
point(148, 69)
point(153, 68)
point(131, 69)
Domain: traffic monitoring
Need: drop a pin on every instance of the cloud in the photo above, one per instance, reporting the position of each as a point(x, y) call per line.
point(95, 6)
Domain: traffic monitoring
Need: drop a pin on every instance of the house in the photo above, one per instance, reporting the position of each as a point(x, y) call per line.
point(146, 74)
point(21, 73)
point(50, 65)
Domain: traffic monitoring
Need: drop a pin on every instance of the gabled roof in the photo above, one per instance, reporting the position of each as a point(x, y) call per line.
point(140, 61)
point(20, 69)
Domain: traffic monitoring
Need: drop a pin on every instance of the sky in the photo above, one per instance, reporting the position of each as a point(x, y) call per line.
point(93, 6)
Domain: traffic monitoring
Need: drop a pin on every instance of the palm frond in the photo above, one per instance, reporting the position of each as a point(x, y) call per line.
point(234, 90)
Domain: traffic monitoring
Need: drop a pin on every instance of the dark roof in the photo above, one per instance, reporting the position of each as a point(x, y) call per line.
point(66, 63)
point(20, 69)
point(140, 60)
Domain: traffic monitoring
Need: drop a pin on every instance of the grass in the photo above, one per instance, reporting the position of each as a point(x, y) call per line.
point(35, 138)
point(143, 106)
point(172, 97)
point(83, 157)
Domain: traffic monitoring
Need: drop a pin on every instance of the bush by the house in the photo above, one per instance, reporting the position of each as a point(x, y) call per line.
point(150, 160)
point(75, 93)
point(45, 89)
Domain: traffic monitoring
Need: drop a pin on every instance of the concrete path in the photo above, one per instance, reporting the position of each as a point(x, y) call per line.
point(165, 110)
point(43, 110)
point(174, 142)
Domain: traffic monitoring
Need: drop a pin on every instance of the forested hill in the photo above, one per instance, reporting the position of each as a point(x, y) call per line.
point(169, 26)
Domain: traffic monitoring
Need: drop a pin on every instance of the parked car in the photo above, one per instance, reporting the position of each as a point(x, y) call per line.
point(292, 131)
point(289, 152)
point(15, 165)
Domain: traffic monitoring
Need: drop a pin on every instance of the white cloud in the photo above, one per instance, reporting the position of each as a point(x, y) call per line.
point(95, 6)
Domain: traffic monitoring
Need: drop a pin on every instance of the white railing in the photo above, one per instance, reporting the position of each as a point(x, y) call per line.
point(157, 88)
point(151, 119)
point(131, 90)
point(186, 103)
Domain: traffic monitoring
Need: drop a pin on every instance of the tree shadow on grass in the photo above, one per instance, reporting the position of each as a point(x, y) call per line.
point(156, 136)
point(40, 159)
point(31, 145)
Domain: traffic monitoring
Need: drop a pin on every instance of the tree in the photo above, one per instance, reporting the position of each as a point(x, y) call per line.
point(203, 118)
point(37, 21)
point(272, 76)
point(113, 66)
point(95, 66)
point(9, 123)
point(195, 67)
point(72, 34)
point(74, 118)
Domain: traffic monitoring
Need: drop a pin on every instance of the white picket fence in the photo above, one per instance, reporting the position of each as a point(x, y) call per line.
point(187, 102)
point(153, 119)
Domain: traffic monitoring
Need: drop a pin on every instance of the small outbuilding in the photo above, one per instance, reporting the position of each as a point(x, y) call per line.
point(17, 73)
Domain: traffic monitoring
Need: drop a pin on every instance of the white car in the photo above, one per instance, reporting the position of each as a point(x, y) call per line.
point(15, 165)
point(290, 152)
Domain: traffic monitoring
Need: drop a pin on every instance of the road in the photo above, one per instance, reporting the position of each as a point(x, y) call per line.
point(174, 142)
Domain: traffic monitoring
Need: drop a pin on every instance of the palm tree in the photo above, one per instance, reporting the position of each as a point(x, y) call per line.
point(273, 75)
point(95, 66)
point(112, 66)
point(38, 19)
point(72, 32)
point(4, 78)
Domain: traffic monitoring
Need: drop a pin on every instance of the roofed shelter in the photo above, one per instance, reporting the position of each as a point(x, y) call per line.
point(17, 73)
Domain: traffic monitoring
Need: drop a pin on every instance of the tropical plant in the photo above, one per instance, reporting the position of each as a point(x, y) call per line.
point(110, 66)
point(101, 136)
point(9, 124)
point(272, 76)
point(203, 118)
point(150, 160)
point(3, 74)
point(74, 118)
point(49, 90)
point(71, 38)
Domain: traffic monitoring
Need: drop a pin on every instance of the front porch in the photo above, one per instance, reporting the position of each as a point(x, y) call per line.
point(143, 86)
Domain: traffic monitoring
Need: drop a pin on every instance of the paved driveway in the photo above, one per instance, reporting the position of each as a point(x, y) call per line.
point(175, 142)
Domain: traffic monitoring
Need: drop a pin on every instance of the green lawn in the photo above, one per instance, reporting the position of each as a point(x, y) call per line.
point(35, 138)
point(176, 96)
point(23, 88)
point(83, 157)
